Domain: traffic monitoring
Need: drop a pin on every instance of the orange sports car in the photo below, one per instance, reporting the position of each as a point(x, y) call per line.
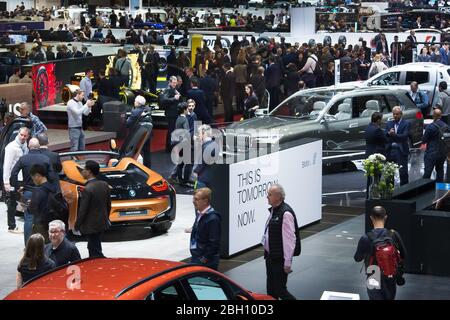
point(138, 195)
point(132, 279)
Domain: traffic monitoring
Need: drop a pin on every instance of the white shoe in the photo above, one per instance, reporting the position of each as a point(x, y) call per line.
point(16, 231)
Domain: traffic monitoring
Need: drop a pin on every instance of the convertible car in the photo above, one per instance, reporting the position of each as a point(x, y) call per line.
point(138, 194)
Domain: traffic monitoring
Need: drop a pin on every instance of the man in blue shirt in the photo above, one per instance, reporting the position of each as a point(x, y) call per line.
point(420, 98)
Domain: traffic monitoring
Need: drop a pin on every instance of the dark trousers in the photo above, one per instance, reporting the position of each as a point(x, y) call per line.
point(274, 97)
point(386, 292)
point(146, 153)
point(94, 245)
point(153, 83)
point(309, 79)
point(240, 97)
point(434, 162)
point(228, 108)
point(277, 279)
point(401, 159)
point(11, 202)
point(210, 106)
point(170, 128)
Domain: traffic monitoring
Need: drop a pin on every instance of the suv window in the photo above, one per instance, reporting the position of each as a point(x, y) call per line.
point(207, 288)
point(341, 110)
point(418, 76)
point(366, 105)
point(390, 78)
point(392, 102)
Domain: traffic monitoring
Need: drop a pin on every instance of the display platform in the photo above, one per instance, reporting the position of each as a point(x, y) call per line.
point(243, 187)
point(59, 139)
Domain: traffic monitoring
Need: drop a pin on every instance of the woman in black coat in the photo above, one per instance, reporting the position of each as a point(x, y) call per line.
point(251, 102)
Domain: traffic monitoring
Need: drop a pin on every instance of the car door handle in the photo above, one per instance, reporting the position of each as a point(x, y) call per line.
point(353, 125)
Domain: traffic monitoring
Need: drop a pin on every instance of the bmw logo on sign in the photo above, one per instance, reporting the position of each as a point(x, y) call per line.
point(132, 193)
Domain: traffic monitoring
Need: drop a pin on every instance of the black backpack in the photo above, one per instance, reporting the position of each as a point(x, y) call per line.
point(318, 71)
point(57, 207)
point(443, 139)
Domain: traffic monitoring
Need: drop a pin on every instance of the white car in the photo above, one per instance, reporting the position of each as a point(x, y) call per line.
point(427, 74)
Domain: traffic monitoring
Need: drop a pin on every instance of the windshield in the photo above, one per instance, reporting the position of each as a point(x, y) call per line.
point(305, 106)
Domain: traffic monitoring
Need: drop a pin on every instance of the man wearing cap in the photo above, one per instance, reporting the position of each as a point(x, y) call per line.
point(75, 110)
point(142, 114)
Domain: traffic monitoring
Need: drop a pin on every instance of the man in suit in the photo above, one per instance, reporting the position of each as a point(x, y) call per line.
point(55, 160)
point(76, 53)
point(145, 61)
point(169, 100)
point(397, 132)
point(382, 46)
point(198, 96)
point(227, 89)
point(376, 141)
point(412, 38)
point(205, 235)
point(94, 209)
point(85, 51)
point(375, 138)
point(209, 86)
point(202, 172)
point(433, 155)
point(154, 60)
point(273, 78)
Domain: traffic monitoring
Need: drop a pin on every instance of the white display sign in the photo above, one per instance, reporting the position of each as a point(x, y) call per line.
point(298, 170)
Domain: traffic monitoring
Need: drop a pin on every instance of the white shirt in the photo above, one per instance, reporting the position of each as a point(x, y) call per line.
point(75, 110)
point(13, 152)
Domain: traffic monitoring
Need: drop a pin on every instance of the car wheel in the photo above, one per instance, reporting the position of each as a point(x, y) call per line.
point(162, 227)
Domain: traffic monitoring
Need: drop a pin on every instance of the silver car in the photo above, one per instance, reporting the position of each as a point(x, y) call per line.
point(337, 115)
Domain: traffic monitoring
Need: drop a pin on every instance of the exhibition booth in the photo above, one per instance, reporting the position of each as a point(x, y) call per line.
point(240, 192)
point(424, 230)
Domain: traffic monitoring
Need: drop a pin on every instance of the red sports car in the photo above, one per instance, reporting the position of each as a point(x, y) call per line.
point(132, 279)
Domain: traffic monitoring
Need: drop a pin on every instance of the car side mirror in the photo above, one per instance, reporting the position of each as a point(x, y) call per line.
point(323, 120)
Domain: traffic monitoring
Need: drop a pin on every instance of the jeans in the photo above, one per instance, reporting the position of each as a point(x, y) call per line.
point(76, 137)
point(277, 279)
point(94, 245)
point(28, 217)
